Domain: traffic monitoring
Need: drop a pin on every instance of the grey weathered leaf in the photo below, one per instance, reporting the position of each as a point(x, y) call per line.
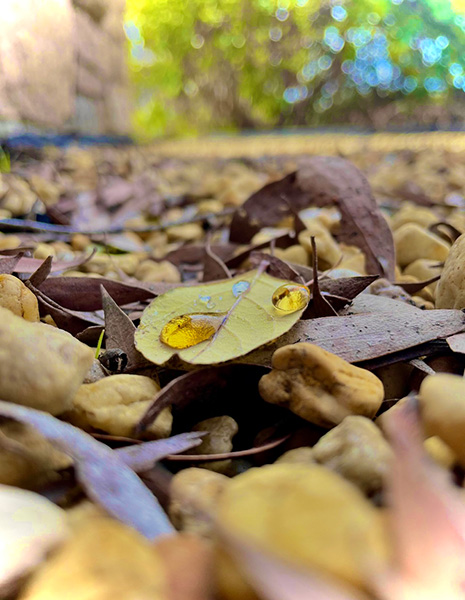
point(104, 475)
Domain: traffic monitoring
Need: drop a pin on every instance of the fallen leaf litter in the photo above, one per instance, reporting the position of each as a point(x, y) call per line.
point(277, 403)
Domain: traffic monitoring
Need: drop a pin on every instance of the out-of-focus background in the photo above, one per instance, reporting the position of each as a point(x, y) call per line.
point(151, 68)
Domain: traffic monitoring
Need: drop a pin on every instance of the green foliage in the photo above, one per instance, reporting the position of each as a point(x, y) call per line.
point(203, 65)
point(5, 161)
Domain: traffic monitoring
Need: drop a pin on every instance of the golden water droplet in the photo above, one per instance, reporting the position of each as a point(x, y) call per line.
point(188, 330)
point(291, 297)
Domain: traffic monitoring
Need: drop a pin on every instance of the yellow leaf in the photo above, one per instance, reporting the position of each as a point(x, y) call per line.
point(244, 318)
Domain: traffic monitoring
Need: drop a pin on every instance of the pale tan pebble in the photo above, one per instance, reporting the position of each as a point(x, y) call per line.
point(49, 192)
point(342, 273)
point(101, 560)
point(99, 264)
point(220, 432)
point(139, 222)
point(274, 508)
point(15, 296)
point(457, 220)
point(424, 269)
point(157, 240)
point(358, 451)
point(209, 206)
point(439, 452)
point(80, 242)
point(420, 302)
point(43, 251)
point(19, 199)
point(73, 273)
point(96, 372)
point(412, 242)
point(115, 404)
point(9, 241)
point(328, 251)
point(128, 263)
point(442, 409)
point(5, 214)
point(194, 496)
point(266, 235)
point(48, 319)
point(189, 232)
point(151, 271)
point(231, 196)
point(410, 213)
point(294, 254)
point(27, 459)
point(352, 258)
point(319, 386)
point(450, 291)
point(32, 527)
point(40, 366)
point(303, 455)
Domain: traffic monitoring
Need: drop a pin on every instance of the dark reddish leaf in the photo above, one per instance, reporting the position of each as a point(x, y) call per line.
point(234, 384)
point(318, 306)
point(119, 331)
point(83, 293)
point(331, 180)
point(195, 253)
point(346, 287)
point(277, 267)
point(323, 181)
point(413, 288)
point(362, 337)
point(72, 321)
point(413, 192)
point(41, 273)
point(8, 264)
point(29, 265)
point(115, 191)
point(103, 474)
point(282, 241)
point(450, 234)
point(266, 208)
point(213, 266)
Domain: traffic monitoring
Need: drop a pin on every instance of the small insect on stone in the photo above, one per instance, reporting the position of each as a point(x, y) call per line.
point(290, 297)
point(185, 331)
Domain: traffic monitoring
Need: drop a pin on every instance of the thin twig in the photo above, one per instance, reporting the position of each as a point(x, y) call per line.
point(34, 226)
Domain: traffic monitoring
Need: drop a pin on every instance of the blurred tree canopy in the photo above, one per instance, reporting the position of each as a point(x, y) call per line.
point(210, 65)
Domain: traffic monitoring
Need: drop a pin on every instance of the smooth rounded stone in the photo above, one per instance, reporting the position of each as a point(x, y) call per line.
point(307, 516)
point(103, 559)
point(31, 526)
point(194, 495)
point(301, 456)
point(413, 242)
point(27, 459)
point(220, 432)
point(450, 291)
point(319, 386)
point(40, 366)
point(327, 249)
point(442, 409)
point(357, 450)
point(115, 404)
point(15, 296)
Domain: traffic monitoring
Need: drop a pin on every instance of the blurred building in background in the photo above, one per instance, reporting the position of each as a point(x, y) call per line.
point(63, 66)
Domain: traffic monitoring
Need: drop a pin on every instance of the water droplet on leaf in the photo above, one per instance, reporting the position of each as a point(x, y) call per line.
point(185, 331)
point(291, 297)
point(240, 287)
point(207, 300)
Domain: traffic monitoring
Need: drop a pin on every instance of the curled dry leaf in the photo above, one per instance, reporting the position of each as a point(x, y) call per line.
point(8, 263)
point(105, 477)
point(245, 319)
point(361, 337)
point(323, 181)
